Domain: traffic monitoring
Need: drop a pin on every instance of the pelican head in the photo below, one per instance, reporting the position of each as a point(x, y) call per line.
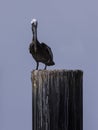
point(34, 22)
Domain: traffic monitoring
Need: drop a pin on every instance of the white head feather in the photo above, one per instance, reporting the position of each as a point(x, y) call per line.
point(33, 21)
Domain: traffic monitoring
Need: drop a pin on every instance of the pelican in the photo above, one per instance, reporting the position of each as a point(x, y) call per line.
point(41, 52)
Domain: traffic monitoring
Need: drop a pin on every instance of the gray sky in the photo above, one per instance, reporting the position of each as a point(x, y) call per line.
point(71, 29)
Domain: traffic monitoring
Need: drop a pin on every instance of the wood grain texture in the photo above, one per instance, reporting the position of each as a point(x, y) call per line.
point(57, 100)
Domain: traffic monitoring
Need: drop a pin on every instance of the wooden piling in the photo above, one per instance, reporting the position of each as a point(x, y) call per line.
point(57, 100)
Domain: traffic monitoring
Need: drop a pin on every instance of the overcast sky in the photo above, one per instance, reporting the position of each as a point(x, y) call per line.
point(70, 27)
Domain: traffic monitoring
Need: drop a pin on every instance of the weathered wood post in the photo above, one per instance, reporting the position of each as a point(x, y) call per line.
point(57, 100)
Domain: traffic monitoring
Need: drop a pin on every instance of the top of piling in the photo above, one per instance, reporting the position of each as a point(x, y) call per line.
point(58, 70)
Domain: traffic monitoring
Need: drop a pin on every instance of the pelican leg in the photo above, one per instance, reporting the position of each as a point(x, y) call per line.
point(45, 67)
point(37, 65)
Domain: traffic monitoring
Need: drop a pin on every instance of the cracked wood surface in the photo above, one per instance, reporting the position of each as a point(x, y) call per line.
point(57, 100)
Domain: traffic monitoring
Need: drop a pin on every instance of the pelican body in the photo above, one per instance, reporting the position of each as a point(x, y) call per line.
point(40, 51)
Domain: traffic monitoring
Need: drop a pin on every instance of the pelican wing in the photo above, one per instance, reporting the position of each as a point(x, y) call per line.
point(48, 49)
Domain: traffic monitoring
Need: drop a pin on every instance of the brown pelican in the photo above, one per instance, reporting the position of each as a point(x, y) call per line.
point(40, 51)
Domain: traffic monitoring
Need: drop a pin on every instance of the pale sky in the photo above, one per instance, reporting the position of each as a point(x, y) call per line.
point(70, 28)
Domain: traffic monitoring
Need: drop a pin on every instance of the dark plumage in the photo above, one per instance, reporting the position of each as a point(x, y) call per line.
point(40, 51)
